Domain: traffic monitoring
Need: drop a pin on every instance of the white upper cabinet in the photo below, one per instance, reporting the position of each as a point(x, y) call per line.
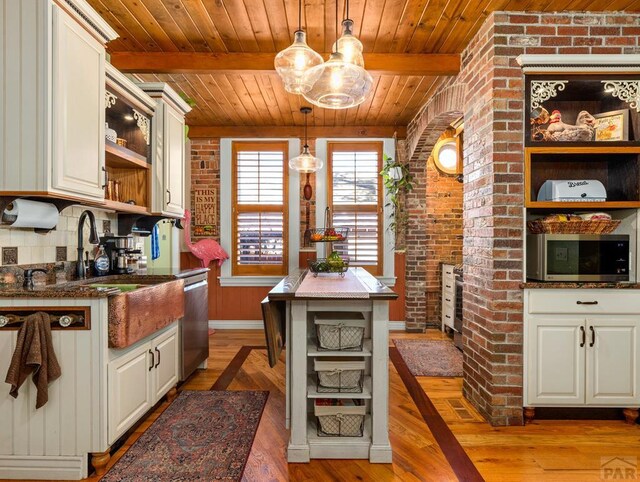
point(52, 59)
point(168, 144)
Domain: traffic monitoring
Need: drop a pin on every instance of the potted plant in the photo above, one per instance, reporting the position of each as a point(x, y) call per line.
point(398, 181)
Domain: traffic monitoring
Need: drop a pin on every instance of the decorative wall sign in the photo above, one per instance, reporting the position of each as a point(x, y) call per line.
point(612, 126)
point(542, 90)
point(205, 212)
point(625, 90)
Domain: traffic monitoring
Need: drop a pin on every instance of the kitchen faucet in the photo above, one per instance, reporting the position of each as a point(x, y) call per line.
point(93, 239)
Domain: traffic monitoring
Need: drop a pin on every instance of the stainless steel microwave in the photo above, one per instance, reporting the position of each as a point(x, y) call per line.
point(578, 257)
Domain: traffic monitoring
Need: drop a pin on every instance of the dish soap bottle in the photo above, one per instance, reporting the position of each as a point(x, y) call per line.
point(101, 263)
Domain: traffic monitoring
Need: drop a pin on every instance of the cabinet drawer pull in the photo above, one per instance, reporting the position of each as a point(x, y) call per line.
point(583, 336)
point(153, 360)
point(158, 362)
point(593, 336)
point(447, 299)
point(169, 193)
point(586, 302)
point(447, 316)
point(448, 286)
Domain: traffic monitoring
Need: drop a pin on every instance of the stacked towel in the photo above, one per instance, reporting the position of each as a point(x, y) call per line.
point(34, 353)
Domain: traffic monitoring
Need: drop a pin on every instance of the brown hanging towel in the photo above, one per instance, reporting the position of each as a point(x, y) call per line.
point(34, 353)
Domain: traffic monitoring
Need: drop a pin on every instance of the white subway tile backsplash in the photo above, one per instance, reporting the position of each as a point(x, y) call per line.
point(41, 248)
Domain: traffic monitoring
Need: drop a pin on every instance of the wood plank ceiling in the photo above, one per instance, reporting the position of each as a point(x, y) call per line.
point(252, 26)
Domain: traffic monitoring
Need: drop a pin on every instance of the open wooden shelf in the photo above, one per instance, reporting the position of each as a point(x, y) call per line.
point(592, 148)
point(125, 207)
point(583, 206)
point(617, 168)
point(120, 157)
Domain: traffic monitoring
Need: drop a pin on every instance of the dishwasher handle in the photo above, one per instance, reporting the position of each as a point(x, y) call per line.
point(194, 286)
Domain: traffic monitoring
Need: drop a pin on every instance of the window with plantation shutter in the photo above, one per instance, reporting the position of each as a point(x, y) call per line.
point(259, 213)
point(355, 198)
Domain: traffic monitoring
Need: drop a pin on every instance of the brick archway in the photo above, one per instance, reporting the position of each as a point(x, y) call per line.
point(425, 129)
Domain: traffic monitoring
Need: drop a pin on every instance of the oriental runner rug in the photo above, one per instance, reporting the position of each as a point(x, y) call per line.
point(431, 358)
point(202, 435)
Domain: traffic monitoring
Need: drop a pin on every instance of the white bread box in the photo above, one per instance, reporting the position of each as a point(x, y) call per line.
point(573, 191)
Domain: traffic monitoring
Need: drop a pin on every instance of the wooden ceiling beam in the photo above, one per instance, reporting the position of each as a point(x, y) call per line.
point(207, 63)
point(196, 132)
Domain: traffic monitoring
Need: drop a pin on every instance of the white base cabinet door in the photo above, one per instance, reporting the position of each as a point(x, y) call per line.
point(555, 361)
point(139, 378)
point(165, 373)
point(612, 363)
point(129, 390)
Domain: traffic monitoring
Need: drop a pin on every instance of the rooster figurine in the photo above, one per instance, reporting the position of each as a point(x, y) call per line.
point(206, 250)
point(582, 131)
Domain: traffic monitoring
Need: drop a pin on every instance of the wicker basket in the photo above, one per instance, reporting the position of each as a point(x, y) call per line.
point(341, 421)
point(339, 376)
point(597, 226)
point(340, 331)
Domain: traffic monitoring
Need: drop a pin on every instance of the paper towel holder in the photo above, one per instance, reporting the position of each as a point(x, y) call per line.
point(60, 204)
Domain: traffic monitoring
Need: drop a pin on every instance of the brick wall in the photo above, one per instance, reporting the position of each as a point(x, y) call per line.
point(493, 188)
point(423, 251)
point(443, 243)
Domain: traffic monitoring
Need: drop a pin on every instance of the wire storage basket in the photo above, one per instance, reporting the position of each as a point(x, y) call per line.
point(340, 331)
point(339, 376)
point(324, 265)
point(340, 418)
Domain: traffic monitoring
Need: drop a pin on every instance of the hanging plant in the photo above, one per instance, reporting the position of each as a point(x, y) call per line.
point(398, 181)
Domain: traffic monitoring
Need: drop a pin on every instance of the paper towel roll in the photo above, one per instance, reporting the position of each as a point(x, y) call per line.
point(24, 213)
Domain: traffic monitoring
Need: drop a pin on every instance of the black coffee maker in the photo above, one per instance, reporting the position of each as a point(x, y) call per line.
point(117, 249)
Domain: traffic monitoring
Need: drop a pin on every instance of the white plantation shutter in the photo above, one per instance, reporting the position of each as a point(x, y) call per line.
point(356, 201)
point(259, 212)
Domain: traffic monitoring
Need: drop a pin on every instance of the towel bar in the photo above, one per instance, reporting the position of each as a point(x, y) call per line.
point(62, 318)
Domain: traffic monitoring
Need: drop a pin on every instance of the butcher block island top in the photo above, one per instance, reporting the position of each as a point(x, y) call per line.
point(336, 331)
point(357, 281)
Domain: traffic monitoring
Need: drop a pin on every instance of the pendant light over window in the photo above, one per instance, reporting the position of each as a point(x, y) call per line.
point(341, 82)
point(305, 162)
point(292, 62)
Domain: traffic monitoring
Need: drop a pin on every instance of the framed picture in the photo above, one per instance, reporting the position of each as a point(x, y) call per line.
point(612, 126)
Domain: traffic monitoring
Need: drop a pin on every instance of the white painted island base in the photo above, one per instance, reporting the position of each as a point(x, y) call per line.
point(304, 442)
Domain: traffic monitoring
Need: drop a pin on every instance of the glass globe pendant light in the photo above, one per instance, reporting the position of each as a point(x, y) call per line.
point(338, 83)
point(348, 45)
point(292, 62)
point(306, 162)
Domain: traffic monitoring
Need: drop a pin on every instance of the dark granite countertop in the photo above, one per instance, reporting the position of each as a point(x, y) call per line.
point(565, 285)
point(80, 288)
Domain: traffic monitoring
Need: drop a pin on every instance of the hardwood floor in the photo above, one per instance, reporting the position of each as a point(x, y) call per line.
point(544, 450)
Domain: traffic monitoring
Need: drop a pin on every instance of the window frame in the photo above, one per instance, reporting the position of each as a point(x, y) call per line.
point(361, 146)
point(259, 269)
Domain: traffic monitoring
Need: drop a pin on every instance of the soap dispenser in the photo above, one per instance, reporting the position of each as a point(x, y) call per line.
point(101, 262)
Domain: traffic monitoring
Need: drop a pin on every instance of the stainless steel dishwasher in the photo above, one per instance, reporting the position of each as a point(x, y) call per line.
point(194, 326)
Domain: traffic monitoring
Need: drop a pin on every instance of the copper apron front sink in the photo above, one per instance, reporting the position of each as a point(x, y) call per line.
point(143, 311)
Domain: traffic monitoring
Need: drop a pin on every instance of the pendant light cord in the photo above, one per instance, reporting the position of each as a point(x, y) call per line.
point(299, 14)
point(306, 143)
point(337, 34)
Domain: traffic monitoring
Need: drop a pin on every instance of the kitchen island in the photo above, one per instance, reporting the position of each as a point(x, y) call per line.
point(292, 310)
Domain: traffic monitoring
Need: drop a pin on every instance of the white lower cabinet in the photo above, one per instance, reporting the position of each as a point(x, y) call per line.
point(165, 373)
point(612, 361)
point(581, 359)
point(139, 378)
point(555, 362)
